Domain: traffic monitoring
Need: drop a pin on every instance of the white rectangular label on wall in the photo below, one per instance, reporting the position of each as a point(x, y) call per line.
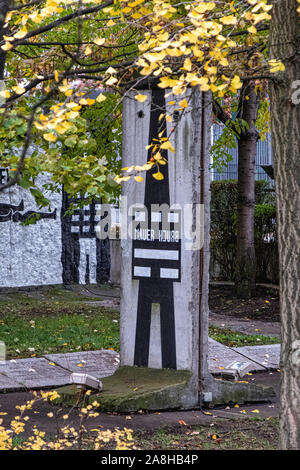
point(155, 216)
point(156, 254)
point(173, 217)
point(169, 273)
point(140, 216)
point(142, 271)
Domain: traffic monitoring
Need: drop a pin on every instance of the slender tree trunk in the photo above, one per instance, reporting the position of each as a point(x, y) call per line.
point(245, 259)
point(285, 119)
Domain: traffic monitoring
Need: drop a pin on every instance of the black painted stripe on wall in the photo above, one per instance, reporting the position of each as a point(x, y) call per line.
point(155, 290)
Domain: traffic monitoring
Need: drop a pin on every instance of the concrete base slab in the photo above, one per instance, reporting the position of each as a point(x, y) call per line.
point(35, 373)
point(232, 393)
point(219, 356)
point(268, 356)
point(97, 363)
point(134, 388)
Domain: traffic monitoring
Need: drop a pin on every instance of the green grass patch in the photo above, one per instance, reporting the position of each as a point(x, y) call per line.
point(235, 338)
point(31, 327)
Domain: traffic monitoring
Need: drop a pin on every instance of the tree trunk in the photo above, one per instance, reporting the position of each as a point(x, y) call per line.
point(245, 259)
point(285, 118)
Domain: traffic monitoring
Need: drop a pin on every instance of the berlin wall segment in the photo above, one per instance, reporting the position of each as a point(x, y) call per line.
point(160, 270)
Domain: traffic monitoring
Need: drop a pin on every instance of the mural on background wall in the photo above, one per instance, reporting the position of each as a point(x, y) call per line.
point(14, 213)
point(58, 248)
point(85, 258)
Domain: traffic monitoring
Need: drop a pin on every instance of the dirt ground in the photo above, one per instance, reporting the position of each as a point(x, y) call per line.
point(258, 315)
point(263, 307)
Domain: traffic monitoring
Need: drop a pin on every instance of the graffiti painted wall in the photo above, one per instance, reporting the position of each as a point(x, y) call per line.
point(57, 249)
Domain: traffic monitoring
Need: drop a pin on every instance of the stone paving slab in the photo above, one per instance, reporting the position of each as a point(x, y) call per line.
point(54, 370)
point(266, 355)
point(6, 383)
point(35, 373)
point(220, 356)
point(100, 363)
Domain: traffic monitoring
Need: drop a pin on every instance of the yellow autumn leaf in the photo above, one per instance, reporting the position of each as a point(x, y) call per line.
point(141, 98)
point(88, 50)
point(228, 19)
point(63, 127)
point(252, 29)
point(236, 82)
point(146, 166)
point(72, 114)
point(139, 179)
point(50, 137)
point(100, 98)
point(187, 64)
point(21, 33)
point(168, 146)
point(38, 125)
point(7, 46)
point(158, 176)
point(276, 66)
point(183, 103)
point(213, 87)
point(56, 76)
point(5, 94)
point(260, 17)
point(99, 41)
point(8, 38)
point(111, 71)
point(18, 89)
point(111, 81)
point(71, 105)
point(166, 82)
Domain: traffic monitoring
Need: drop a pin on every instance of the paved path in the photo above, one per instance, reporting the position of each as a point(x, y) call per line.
point(54, 370)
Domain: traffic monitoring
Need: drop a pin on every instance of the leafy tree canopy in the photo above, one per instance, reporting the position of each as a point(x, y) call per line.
point(55, 53)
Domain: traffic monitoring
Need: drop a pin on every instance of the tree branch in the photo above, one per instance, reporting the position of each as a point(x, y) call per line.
point(220, 113)
point(64, 19)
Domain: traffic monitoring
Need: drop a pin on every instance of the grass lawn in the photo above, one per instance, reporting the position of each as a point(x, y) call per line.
point(235, 338)
point(32, 327)
point(57, 321)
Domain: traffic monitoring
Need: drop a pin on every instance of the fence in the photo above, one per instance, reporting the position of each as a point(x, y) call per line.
point(263, 157)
